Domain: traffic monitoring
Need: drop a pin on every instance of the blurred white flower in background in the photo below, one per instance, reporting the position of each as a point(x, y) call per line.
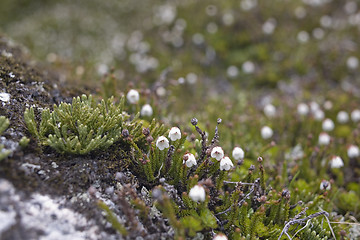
point(232, 71)
point(302, 109)
point(248, 67)
point(247, 5)
point(197, 193)
point(266, 132)
point(133, 96)
point(269, 26)
point(191, 78)
point(352, 62)
point(324, 138)
point(353, 151)
point(328, 125)
point(228, 18)
point(146, 110)
point(238, 153)
point(318, 33)
point(355, 115)
point(164, 14)
point(336, 162)
point(270, 110)
point(303, 37)
point(342, 117)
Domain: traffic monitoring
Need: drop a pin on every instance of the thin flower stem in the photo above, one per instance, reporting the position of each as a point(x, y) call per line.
point(240, 183)
point(348, 223)
point(253, 188)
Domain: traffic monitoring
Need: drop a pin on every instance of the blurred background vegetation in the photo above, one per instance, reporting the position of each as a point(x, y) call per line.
point(247, 43)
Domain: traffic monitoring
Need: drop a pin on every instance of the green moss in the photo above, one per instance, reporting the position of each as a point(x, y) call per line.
point(80, 127)
point(4, 124)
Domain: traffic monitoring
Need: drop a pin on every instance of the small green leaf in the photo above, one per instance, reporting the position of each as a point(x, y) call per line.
point(208, 218)
point(192, 224)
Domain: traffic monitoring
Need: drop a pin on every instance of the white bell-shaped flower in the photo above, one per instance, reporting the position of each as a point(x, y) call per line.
point(226, 164)
point(174, 133)
point(189, 160)
point(162, 143)
point(218, 153)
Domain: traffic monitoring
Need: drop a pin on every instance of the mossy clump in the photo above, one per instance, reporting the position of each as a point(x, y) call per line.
point(4, 124)
point(80, 127)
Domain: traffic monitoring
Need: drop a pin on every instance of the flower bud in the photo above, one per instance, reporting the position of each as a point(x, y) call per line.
point(125, 133)
point(194, 121)
point(146, 131)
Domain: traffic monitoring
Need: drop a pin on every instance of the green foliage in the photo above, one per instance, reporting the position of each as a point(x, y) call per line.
point(191, 224)
point(80, 127)
point(247, 204)
point(349, 201)
point(4, 124)
point(24, 141)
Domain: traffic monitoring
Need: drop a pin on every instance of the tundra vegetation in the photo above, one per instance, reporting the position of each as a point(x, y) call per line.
point(207, 120)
